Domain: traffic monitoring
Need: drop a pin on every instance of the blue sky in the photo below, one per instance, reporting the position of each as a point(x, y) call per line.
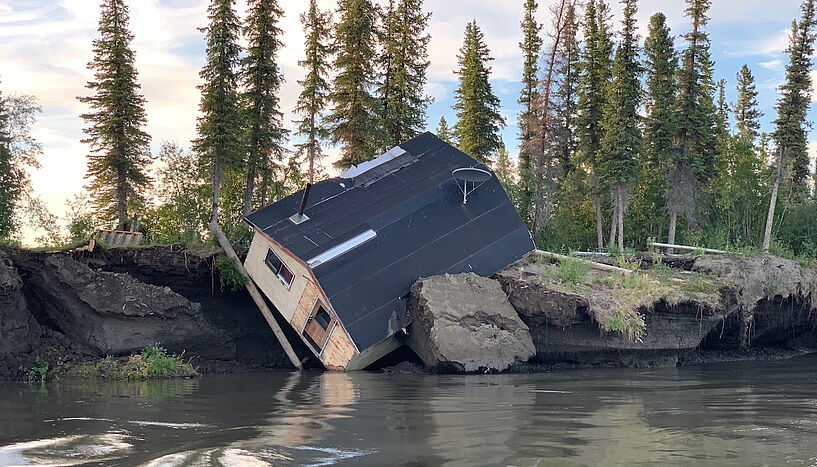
point(45, 45)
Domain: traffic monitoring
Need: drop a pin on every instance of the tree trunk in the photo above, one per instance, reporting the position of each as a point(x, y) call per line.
point(249, 188)
point(611, 242)
point(673, 223)
point(767, 235)
point(216, 189)
point(620, 217)
point(121, 200)
point(599, 223)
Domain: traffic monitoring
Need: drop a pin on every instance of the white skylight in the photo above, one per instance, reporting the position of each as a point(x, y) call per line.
point(365, 166)
point(343, 248)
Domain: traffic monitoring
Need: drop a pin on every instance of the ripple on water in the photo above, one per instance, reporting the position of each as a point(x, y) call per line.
point(67, 450)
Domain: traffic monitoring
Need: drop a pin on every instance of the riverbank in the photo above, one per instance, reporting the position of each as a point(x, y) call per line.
point(74, 307)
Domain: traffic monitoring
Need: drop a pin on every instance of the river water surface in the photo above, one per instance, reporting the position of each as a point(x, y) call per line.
point(721, 414)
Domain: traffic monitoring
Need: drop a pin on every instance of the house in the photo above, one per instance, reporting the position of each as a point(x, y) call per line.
point(337, 259)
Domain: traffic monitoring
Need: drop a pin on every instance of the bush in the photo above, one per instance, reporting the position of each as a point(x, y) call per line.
point(229, 275)
point(154, 362)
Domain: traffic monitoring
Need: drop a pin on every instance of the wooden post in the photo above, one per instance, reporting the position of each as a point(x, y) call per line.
point(593, 264)
point(256, 295)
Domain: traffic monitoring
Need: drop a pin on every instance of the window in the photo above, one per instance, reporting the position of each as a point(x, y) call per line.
point(279, 268)
point(322, 318)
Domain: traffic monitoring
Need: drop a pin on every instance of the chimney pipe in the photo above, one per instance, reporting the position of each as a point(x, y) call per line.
point(300, 216)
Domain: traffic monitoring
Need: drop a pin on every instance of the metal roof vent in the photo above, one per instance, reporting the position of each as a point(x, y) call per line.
point(300, 217)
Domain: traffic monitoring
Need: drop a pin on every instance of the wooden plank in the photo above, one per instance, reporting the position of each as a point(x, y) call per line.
point(593, 264)
point(256, 295)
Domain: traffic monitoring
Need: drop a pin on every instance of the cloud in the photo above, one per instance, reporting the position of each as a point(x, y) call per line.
point(774, 64)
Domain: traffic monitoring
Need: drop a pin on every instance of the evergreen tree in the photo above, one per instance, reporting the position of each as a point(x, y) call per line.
point(722, 121)
point(404, 62)
point(444, 132)
point(694, 161)
point(10, 188)
point(479, 121)
point(219, 144)
point(595, 75)
point(530, 45)
point(119, 145)
point(262, 78)
point(567, 90)
point(315, 88)
point(660, 124)
point(621, 140)
point(747, 111)
point(504, 169)
point(792, 107)
point(353, 120)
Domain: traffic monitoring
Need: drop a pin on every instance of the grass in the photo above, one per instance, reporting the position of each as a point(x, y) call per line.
point(154, 362)
point(571, 271)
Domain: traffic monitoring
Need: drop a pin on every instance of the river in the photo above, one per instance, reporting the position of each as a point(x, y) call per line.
point(719, 414)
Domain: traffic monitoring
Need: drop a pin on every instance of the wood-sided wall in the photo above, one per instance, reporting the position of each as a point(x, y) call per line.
point(297, 302)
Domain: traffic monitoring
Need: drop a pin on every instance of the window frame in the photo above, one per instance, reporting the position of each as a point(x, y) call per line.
point(277, 271)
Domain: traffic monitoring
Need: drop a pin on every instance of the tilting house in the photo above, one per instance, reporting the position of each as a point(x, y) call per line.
point(338, 260)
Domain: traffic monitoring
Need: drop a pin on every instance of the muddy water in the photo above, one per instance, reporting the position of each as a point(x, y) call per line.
point(724, 414)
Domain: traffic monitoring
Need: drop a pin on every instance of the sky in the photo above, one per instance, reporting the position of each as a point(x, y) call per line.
point(45, 46)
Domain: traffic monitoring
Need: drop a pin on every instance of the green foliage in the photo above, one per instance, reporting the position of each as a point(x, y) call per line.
point(444, 132)
point(117, 165)
point(353, 120)
point(220, 143)
point(229, 276)
point(39, 372)
point(571, 271)
point(154, 362)
point(747, 112)
point(528, 96)
point(478, 118)
point(314, 87)
point(404, 61)
point(261, 77)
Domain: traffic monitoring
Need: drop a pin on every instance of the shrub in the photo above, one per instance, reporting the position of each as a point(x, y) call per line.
point(229, 276)
point(154, 362)
point(39, 372)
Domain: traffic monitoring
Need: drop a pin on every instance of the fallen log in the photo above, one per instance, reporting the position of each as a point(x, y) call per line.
point(256, 295)
point(670, 246)
point(593, 264)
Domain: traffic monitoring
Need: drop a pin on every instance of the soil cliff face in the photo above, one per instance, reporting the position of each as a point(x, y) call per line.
point(72, 307)
point(756, 304)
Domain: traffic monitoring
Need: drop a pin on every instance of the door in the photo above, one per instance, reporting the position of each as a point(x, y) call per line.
point(318, 327)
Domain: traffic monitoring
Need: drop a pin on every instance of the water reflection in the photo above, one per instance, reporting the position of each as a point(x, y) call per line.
point(728, 414)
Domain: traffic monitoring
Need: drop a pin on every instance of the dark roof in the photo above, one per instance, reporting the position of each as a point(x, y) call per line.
point(423, 229)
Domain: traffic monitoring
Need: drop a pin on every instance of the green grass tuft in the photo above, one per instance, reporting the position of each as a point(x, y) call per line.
point(571, 271)
point(154, 362)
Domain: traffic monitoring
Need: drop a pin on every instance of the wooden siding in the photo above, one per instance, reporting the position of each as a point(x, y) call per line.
point(285, 300)
point(296, 304)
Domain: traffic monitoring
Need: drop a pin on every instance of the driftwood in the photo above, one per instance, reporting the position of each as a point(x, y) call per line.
point(256, 295)
point(670, 246)
point(593, 264)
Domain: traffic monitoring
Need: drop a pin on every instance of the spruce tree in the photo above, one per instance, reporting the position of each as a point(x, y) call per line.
point(314, 87)
point(219, 145)
point(694, 160)
point(117, 165)
point(595, 74)
point(531, 45)
point(262, 79)
point(504, 170)
point(722, 121)
point(746, 110)
point(479, 121)
point(621, 140)
point(353, 119)
point(444, 132)
point(567, 90)
point(660, 123)
point(792, 107)
point(10, 188)
point(404, 63)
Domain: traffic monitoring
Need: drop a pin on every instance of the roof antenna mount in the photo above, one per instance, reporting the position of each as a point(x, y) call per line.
point(469, 179)
point(300, 217)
